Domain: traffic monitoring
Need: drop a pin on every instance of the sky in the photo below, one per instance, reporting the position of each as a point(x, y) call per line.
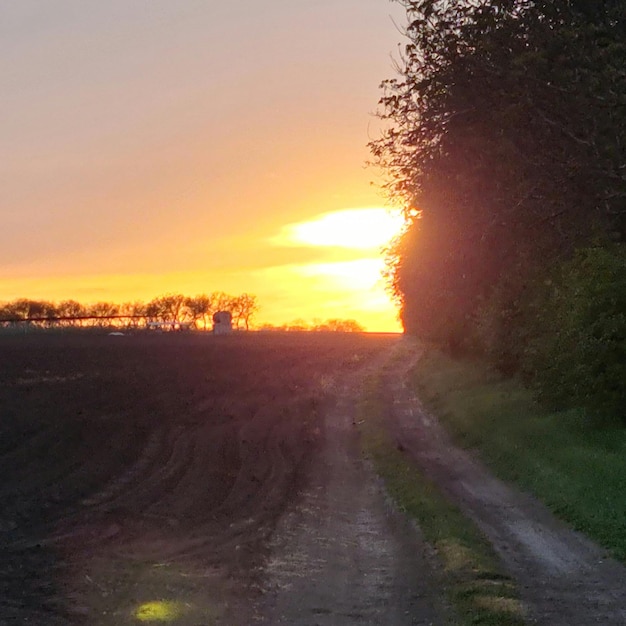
point(158, 146)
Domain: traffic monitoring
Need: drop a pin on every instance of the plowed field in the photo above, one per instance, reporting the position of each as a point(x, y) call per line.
point(197, 480)
point(142, 475)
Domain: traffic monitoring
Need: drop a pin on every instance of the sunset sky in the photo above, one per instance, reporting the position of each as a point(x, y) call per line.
point(154, 146)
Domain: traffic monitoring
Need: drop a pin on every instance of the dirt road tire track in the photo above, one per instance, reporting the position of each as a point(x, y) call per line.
point(564, 579)
point(344, 556)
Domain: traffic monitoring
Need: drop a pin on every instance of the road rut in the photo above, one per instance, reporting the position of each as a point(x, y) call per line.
point(564, 579)
point(344, 556)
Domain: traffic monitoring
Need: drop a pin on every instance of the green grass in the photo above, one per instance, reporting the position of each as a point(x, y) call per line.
point(577, 468)
point(470, 573)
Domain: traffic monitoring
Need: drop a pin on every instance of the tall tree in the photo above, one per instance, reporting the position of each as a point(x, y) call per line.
point(506, 141)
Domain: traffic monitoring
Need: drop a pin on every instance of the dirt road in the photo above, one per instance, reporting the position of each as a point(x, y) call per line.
point(563, 578)
point(344, 556)
point(200, 480)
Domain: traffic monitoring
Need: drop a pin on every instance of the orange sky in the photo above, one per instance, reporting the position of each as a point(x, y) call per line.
point(156, 146)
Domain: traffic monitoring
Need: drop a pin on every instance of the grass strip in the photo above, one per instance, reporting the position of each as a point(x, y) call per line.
point(475, 585)
point(575, 466)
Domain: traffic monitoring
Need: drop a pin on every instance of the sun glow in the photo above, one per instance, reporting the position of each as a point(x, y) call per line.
point(360, 274)
point(156, 178)
point(327, 267)
point(358, 229)
point(343, 276)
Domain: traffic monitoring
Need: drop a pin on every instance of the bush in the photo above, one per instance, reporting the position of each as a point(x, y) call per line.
point(577, 323)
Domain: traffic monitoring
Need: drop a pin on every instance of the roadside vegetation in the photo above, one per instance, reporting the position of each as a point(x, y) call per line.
point(505, 143)
point(476, 587)
point(562, 457)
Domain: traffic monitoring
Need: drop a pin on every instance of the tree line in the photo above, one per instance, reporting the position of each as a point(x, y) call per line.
point(196, 311)
point(334, 325)
point(505, 142)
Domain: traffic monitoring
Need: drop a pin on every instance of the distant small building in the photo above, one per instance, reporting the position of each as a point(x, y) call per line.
point(222, 323)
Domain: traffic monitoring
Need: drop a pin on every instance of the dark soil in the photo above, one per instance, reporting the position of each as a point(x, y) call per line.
point(144, 468)
point(197, 480)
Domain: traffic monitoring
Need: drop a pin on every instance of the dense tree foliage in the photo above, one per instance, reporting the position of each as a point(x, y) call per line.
point(506, 143)
point(576, 353)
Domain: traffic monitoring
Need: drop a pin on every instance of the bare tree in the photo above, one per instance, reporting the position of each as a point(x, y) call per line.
point(168, 308)
point(244, 308)
point(199, 309)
